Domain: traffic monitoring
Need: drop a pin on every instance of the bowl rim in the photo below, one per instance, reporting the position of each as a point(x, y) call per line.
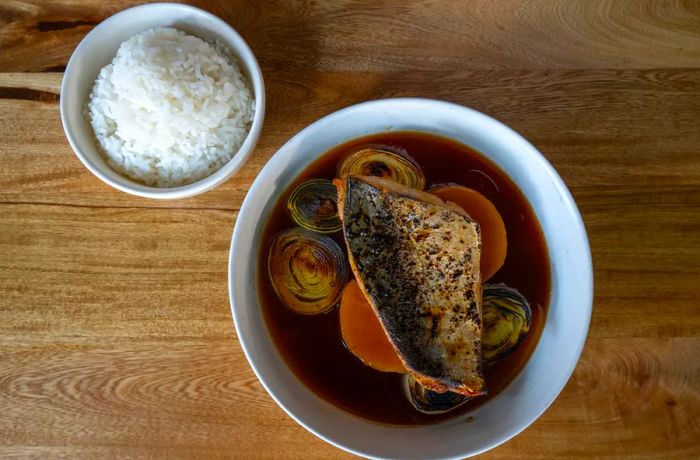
point(586, 272)
point(246, 59)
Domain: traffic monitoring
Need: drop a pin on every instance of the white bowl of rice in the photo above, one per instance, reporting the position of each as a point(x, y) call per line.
point(163, 101)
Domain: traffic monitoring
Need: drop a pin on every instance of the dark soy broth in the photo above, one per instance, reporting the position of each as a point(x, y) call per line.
point(312, 345)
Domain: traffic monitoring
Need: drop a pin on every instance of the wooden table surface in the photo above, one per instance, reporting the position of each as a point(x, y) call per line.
point(116, 337)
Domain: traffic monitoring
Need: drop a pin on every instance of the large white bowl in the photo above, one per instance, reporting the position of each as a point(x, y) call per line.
point(564, 333)
point(99, 47)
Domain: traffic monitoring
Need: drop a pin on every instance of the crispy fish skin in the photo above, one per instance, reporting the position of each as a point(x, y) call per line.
point(416, 258)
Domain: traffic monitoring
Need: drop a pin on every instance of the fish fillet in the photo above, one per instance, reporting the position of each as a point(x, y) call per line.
point(416, 258)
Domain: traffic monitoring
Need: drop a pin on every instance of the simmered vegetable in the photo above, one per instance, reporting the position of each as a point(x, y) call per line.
point(494, 243)
point(363, 333)
point(307, 270)
point(431, 402)
point(314, 206)
point(383, 163)
point(506, 318)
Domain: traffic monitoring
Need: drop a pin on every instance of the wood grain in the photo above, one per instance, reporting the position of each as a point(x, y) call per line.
point(397, 35)
point(115, 332)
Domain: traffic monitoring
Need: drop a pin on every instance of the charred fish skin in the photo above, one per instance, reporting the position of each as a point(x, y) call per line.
point(378, 256)
point(417, 262)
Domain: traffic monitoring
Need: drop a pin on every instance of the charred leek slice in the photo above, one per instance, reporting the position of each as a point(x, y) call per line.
point(307, 270)
point(383, 163)
point(429, 401)
point(506, 317)
point(314, 206)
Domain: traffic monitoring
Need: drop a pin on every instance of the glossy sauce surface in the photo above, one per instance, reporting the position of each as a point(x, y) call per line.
point(312, 346)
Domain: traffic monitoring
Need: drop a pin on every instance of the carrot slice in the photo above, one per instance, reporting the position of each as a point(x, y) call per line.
point(363, 333)
point(494, 243)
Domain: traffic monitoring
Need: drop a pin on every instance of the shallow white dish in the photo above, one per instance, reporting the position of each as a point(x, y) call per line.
point(563, 335)
point(99, 47)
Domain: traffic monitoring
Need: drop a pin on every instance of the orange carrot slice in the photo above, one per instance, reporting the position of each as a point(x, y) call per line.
point(363, 333)
point(494, 243)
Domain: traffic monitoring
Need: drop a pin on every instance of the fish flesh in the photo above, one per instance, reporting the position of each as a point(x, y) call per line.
point(416, 259)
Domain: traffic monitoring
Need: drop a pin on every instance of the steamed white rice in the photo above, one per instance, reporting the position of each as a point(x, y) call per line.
point(171, 108)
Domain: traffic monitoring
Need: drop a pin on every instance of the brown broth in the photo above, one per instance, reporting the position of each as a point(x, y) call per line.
point(312, 345)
